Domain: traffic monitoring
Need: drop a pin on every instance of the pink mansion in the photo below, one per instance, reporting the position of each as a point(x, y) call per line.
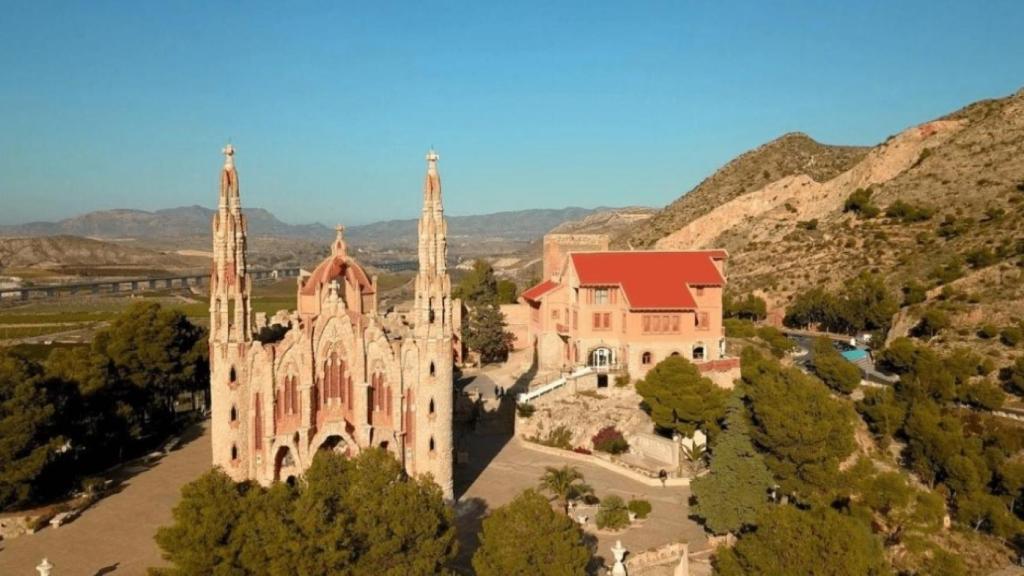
point(338, 375)
point(624, 311)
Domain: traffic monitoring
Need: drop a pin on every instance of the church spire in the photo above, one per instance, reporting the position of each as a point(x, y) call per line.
point(230, 309)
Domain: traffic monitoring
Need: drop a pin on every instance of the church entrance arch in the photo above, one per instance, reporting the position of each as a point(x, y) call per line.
point(284, 464)
point(334, 443)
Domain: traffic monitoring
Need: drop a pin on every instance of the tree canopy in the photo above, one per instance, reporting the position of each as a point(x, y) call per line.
point(30, 432)
point(735, 491)
point(485, 333)
point(804, 432)
point(834, 370)
point(680, 399)
point(526, 537)
point(864, 303)
point(479, 287)
point(817, 542)
point(358, 516)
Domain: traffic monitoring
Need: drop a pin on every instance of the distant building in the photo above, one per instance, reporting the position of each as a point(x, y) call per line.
point(625, 311)
point(339, 375)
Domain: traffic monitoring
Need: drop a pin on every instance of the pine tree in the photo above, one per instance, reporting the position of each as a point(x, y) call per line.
point(527, 538)
point(680, 399)
point(735, 491)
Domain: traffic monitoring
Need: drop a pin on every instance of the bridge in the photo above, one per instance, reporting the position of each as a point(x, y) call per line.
point(129, 285)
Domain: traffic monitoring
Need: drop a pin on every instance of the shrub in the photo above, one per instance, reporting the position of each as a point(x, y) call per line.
point(1011, 336)
point(737, 328)
point(610, 440)
point(908, 213)
point(639, 507)
point(558, 437)
point(776, 340)
point(913, 293)
point(988, 332)
point(981, 258)
point(622, 380)
point(525, 410)
point(808, 224)
point(613, 514)
point(582, 450)
point(932, 322)
point(859, 202)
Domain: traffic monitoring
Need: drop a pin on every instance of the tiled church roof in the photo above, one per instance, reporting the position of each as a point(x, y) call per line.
point(536, 292)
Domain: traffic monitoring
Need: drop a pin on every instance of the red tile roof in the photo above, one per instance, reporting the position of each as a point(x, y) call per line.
point(536, 292)
point(651, 279)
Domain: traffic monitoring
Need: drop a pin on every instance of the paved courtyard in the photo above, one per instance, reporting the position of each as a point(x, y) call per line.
point(492, 479)
point(115, 536)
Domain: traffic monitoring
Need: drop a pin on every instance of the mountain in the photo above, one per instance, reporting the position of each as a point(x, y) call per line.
point(169, 223)
point(951, 196)
point(788, 155)
point(76, 256)
point(515, 226)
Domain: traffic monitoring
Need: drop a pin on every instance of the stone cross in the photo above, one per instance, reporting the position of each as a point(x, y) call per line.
point(339, 240)
point(619, 551)
point(44, 567)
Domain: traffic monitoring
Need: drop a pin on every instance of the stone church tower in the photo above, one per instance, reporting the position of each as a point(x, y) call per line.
point(335, 374)
point(230, 321)
point(432, 341)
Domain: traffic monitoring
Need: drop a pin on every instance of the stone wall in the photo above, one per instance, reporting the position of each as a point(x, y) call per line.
point(517, 320)
point(558, 246)
point(655, 447)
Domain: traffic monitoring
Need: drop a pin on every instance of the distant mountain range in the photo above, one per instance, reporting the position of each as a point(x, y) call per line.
point(192, 221)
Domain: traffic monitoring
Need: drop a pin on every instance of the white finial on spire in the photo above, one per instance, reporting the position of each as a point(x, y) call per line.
point(229, 153)
point(432, 159)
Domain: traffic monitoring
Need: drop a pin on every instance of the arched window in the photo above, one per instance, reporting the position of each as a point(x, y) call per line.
point(234, 452)
point(698, 351)
point(234, 414)
point(675, 354)
point(431, 407)
point(433, 371)
point(232, 376)
point(431, 443)
point(646, 358)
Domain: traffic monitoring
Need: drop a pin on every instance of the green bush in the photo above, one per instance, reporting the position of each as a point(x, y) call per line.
point(559, 437)
point(612, 514)
point(908, 213)
point(622, 380)
point(860, 204)
point(1011, 336)
point(775, 340)
point(981, 258)
point(914, 293)
point(808, 224)
point(639, 507)
point(933, 321)
point(988, 332)
point(737, 328)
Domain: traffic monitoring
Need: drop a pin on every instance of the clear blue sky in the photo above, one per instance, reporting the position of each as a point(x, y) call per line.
point(530, 104)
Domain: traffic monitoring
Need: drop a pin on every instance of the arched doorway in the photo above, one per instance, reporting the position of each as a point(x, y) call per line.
point(698, 351)
point(602, 357)
point(335, 444)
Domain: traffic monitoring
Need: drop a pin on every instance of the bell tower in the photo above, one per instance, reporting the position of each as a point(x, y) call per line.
point(433, 336)
point(230, 328)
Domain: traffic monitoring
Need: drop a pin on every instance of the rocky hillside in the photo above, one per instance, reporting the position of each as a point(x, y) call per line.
point(607, 221)
point(789, 155)
point(71, 254)
point(950, 200)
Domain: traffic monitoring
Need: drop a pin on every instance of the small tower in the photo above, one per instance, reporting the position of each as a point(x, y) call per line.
point(432, 335)
point(230, 328)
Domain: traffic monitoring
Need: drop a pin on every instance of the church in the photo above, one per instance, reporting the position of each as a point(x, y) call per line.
point(336, 374)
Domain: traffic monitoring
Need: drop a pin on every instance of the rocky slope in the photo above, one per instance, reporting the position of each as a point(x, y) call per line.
point(790, 232)
point(790, 155)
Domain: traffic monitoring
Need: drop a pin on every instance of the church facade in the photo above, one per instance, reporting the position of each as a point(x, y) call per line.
point(337, 375)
